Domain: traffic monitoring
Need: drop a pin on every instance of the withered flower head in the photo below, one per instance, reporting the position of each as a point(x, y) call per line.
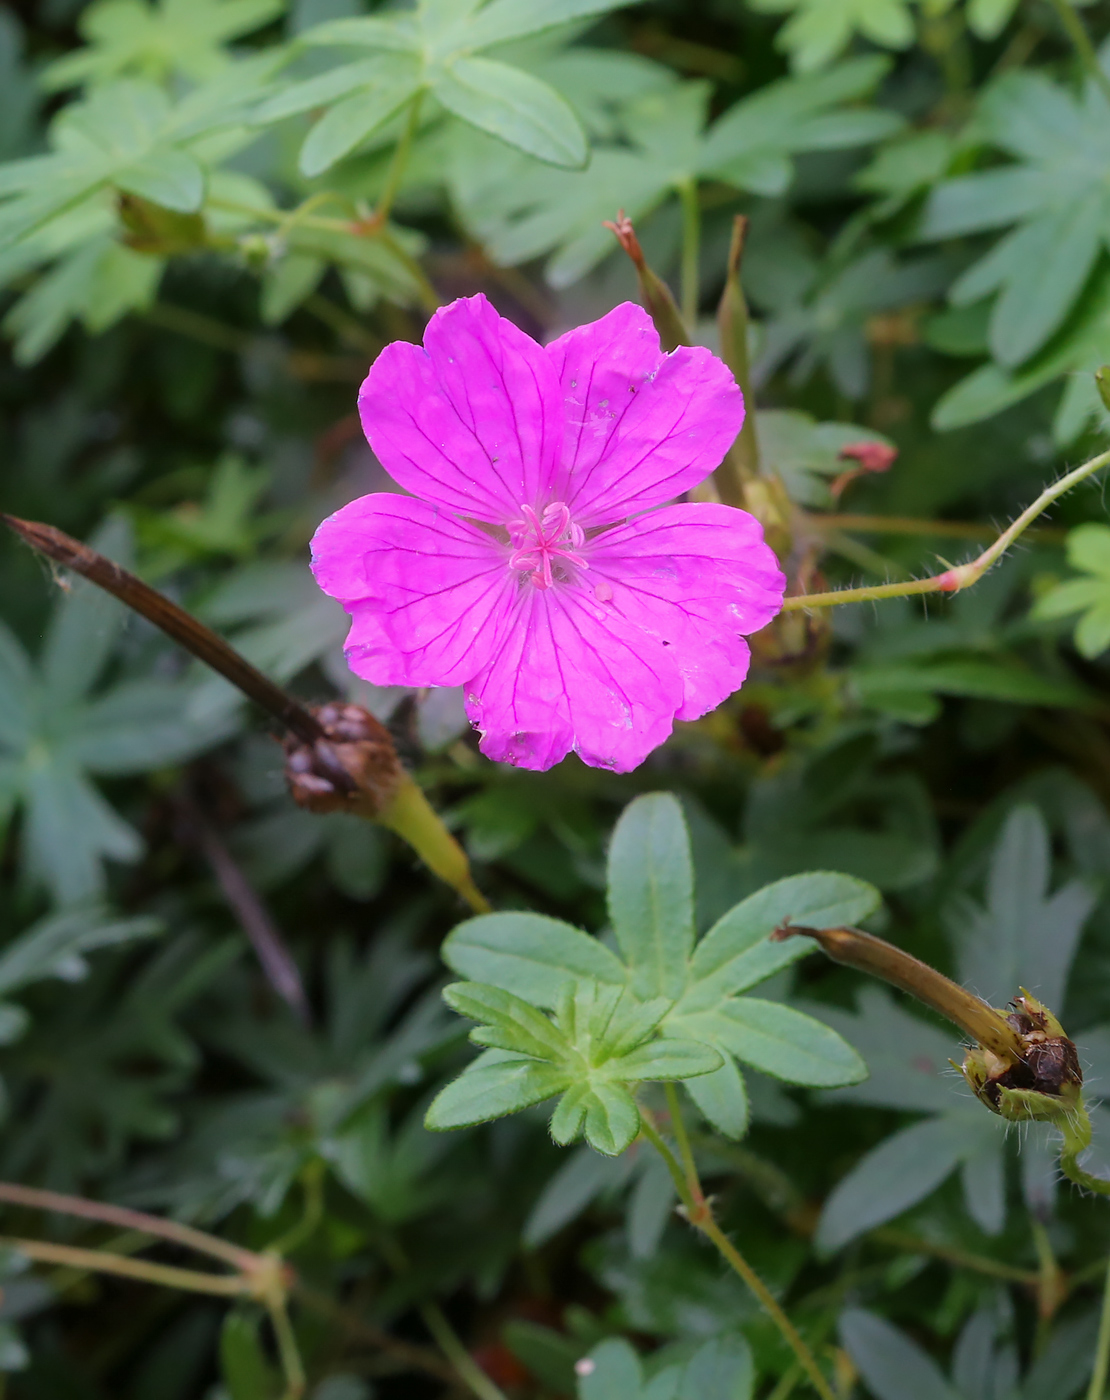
point(355, 769)
point(1044, 1084)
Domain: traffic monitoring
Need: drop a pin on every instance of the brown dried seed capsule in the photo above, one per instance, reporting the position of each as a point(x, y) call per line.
point(355, 769)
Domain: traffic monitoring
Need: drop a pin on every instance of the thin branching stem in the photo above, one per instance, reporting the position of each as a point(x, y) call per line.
point(449, 1342)
point(691, 249)
point(963, 575)
point(33, 1198)
point(399, 163)
point(905, 1243)
point(101, 1262)
point(699, 1212)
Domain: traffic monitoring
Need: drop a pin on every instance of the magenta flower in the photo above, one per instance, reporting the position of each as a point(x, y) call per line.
point(523, 566)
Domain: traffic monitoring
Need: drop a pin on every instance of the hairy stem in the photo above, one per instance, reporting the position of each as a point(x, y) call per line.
point(1076, 1130)
point(1081, 42)
point(699, 1212)
point(963, 575)
point(691, 249)
point(1097, 1389)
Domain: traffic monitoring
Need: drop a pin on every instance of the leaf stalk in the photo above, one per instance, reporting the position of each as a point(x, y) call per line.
point(699, 1212)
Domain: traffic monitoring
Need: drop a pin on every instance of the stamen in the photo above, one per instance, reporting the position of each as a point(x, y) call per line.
point(541, 538)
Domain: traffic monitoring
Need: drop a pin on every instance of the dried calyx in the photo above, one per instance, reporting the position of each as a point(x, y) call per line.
point(1022, 1065)
point(355, 769)
point(1043, 1083)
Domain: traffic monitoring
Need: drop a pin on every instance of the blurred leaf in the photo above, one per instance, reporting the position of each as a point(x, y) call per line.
point(1054, 196)
point(893, 1367)
point(521, 210)
point(819, 30)
point(156, 40)
point(1088, 551)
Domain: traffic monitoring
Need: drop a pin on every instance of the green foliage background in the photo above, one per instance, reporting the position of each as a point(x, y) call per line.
point(195, 271)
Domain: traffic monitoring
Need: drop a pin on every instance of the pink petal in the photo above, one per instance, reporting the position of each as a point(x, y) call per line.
point(697, 578)
point(572, 674)
point(642, 427)
point(429, 595)
point(474, 420)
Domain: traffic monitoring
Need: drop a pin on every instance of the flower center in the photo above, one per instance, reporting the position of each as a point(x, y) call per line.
point(540, 540)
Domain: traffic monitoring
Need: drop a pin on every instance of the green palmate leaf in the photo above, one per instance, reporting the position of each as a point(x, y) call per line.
point(615, 1371)
point(503, 20)
point(908, 1166)
point(668, 1059)
point(496, 1084)
point(775, 1039)
point(56, 946)
point(604, 1031)
point(522, 210)
point(720, 1369)
point(1088, 551)
point(514, 106)
point(1056, 195)
point(651, 894)
point(806, 453)
point(722, 1098)
point(55, 733)
point(736, 952)
point(529, 954)
point(605, 1114)
point(437, 50)
point(979, 678)
point(356, 118)
point(508, 1023)
point(819, 30)
point(1026, 936)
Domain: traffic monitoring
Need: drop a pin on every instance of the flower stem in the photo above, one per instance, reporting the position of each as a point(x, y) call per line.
point(1097, 1389)
point(1076, 1130)
point(101, 1262)
point(906, 1243)
point(699, 1212)
point(467, 1369)
point(910, 525)
point(404, 809)
point(413, 818)
point(400, 160)
point(963, 575)
point(691, 249)
point(1081, 42)
point(34, 1199)
point(288, 1352)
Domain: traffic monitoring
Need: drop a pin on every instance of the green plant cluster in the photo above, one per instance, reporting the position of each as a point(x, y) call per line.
point(234, 1013)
